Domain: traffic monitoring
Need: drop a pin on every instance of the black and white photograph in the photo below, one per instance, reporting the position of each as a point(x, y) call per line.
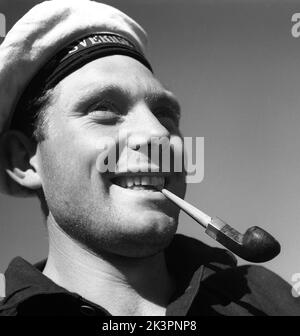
point(149, 160)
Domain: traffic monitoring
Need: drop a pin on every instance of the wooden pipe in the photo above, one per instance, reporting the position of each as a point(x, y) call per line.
point(255, 245)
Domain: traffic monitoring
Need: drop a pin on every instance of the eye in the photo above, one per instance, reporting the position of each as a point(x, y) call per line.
point(104, 112)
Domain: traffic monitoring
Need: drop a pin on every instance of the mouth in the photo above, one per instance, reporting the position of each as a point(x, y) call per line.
point(139, 182)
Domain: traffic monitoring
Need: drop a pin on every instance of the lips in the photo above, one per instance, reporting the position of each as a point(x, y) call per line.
point(140, 182)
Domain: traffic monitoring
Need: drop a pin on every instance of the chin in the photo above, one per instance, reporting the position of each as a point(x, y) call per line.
point(140, 235)
point(152, 234)
point(152, 222)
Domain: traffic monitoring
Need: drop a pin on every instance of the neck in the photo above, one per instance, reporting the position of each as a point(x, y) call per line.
point(121, 285)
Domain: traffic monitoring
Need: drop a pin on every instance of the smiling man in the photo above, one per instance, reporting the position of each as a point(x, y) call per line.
point(74, 75)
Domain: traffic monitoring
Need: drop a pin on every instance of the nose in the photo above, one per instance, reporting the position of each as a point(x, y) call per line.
point(144, 127)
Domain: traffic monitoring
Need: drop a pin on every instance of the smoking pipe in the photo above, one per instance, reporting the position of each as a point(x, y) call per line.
point(255, 245)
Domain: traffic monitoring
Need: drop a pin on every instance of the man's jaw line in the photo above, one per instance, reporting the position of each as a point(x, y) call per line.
point(71, 254)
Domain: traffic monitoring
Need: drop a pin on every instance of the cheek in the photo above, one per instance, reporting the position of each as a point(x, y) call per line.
point(70, 176)
point(66, 168)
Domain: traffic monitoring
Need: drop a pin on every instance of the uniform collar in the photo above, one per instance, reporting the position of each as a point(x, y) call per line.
point(29, 292)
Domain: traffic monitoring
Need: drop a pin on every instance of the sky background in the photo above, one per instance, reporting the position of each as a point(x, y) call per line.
point(234, 66)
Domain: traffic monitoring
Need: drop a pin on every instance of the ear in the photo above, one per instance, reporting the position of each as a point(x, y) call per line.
point(21, 160)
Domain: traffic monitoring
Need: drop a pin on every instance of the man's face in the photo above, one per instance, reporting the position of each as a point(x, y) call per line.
point(108, 98)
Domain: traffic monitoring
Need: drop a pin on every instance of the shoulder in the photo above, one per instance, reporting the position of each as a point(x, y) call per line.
point(229, 289)
point(274, 294)
point(251, 290)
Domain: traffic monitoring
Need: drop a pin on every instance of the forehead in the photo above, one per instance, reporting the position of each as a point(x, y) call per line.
point(114, 71)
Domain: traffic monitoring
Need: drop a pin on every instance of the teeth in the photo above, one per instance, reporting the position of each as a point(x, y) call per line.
point(155, 181)
point(149, 181)
point(145, 180)
point(137, 180)
point(129, 182)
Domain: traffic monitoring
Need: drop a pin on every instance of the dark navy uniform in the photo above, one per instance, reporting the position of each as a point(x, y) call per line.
point(208, 283)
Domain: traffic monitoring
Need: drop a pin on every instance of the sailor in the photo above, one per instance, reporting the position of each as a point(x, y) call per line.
point(72, 74)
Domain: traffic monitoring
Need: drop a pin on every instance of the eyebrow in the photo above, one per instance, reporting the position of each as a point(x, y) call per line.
point(151, 97)
point(164, 98)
